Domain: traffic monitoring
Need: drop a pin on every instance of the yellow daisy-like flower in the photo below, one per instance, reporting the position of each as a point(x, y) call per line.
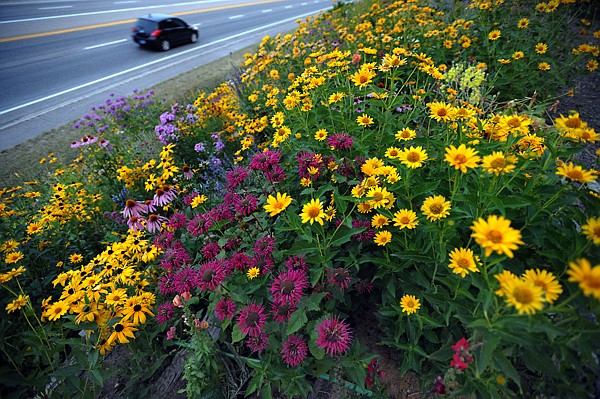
point(546, 280)
point(18, 303)
point(409, 304)
point(441, 112)
point(495, 234)
point(544, 66)
point(523, 23)
point(364, 120)
point(405, 219)
point(392, 152)
point(277, 204)
point(253, 272)
point(525, 296)
point(413, 157)
point(75, 258)
point(34, 228)
point(383, 238)
point(198, 200)
point(494, 35)
point(435, 208)
point(462, 157)
point(591, 65)
point(56, 310)
point(406, 134)
point(320, 134)
point(335, 97)
point(591, 229)
point(313, 212)
point(588, 277)
point(517, 124)
point(462, 261)
point(503, 278)
point(378, 221)
point(13, 257)
point(122, 331)
point(541, 48)
point(362, 77)
point(380, 196)
point(576, 173)
point(496, 163)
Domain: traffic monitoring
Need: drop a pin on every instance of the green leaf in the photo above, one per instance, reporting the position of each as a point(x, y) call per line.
point(317, 352)
point(505, 366)
point(98, 376)
point(311, 302)
point(266, 391)
point(297, 321)
point(484, 355)
point(236, 334)
point(343, 234)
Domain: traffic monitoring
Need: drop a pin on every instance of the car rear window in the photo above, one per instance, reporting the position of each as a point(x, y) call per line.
point(146, 25)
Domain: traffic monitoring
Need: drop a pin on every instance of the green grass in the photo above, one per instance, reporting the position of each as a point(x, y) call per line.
point(21, 163)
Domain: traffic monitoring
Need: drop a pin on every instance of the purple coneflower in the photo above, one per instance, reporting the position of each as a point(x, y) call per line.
point(293, 350)
point(257, 343)
point(155, 223)
point(334, 336)
point(225, 309)
point(134, 208)
point(252, 319)
point(136, 223)
point(188, 173)
point(164, 196)
point(289, 286)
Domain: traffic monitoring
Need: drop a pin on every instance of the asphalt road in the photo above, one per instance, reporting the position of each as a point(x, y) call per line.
point(59, 57)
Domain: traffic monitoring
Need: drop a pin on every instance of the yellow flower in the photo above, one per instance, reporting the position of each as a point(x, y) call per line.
point(335, 97)
point(591, 65)
point(364, 120)
point(276, 205)
point(13, 257)
point(523, 23)
point(56, 310)
point(413, 157)
point(576, 173)
point(405, 219)
point(591, 229)
point(436, 207)
point(546, 280)
point(441, 112)
point(362, 77)
point(503, 278)
point(392, 152)
point(409, 304)
point(588, 277)
point(541, 48)
point(406, 134)
point(383, 238)
point(462, 157)
point(253, 272)
point(75, 258)
point(378, 221)
point(122, 331)
point(496, 163)
point(525, 296)
point(320, 134)
point(313, 212)
point(380, 196)
point(462, 261)
point(494, 35)
point(544, 66)
point(17, 303)
point(198, 200)
point(136, 309)
point(33, 228)
point(495, 234)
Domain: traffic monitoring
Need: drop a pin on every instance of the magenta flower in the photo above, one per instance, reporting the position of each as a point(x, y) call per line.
point(293, 350)
point(340, 277)
point(247, 205)
point(252, 319)
point(164, 312)
point(334, 336)
point(296, 263)
point(236, 177)
point(225, 309)
point(257, 343)
point(211, 275)
point(211, 250)
point(177, 220)
point(340, 141)
point(136, 223)
point(289, 286)
point(460, 345)
point(264, 246)
point(240, 261)
point(281, 312)
point(185, 279)
point(199, 225)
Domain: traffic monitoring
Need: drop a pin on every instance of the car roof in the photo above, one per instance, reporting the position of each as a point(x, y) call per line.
point(156, 17)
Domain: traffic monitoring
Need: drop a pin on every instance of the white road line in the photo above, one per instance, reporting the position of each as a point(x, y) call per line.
point(109, 11)
point(105, 44)
point(288, 6)
point(143, 66)
point(236, 16)
point(269, 10)
point(125, 2)
point(54, 8)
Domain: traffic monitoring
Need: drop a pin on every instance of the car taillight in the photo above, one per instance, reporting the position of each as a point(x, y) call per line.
point(156, 33)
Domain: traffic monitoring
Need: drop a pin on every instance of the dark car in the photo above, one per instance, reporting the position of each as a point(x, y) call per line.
point(162, 31)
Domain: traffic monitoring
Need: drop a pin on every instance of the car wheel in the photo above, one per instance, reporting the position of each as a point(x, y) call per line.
point(165, 45)
point(194, 38)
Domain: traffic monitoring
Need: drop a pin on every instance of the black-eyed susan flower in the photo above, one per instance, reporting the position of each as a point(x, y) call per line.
point(463, 261)
point(546, 280)
point(435, 208)
point(136, 309)
point(525, 296)
point(313, 212)
point(121, 332)
point(591, 230)
point(277, 204)
point(462, 157)
point(575, 173)
point(588, 277)
point(495, 234)
point(56, 310)
point(523, 23)
point(405, 219)
point(410, 304)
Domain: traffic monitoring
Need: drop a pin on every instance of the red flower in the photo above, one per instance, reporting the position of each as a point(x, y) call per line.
point(334, 336)
point(252, 319)
point(461, 345)
point(293, 350)
point(458, 362)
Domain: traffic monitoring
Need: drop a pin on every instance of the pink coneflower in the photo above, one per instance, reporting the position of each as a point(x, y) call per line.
point(136, 223)
point(150, 207)
point(164, 312)
point(252, 319)
point(281, 312)
point(264, 246)
point(225, 309)
point(257, 343)
point(134, 208)
point(340, 277)
point(293, 350)
point(164, 196)
point(289, 286)
point(334, 336)
point(236, 177)
point(210, 250)
point(103, 143)
point(211, 275)
point(188, 173)
point(155, 223)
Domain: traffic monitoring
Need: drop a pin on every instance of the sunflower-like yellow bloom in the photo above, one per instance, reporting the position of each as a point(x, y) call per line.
point(413, 157)
point(498, 164)
point(277, 204)
point(495, 234)
point(591, 229)
point(462, 157)
point(405, 219)
point(383, 238)
point(313, 212)
point(576, 173)
point(524, 295)
point(410, 304)
point(462, 261)
point(436, 207)
point(547, 281)
point(588, 277)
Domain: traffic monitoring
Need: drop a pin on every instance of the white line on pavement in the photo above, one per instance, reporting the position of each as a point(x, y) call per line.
point(105, 44)
point(54, 8)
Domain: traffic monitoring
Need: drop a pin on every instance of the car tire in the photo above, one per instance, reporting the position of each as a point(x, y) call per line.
point(165, 45)
point(194, 38)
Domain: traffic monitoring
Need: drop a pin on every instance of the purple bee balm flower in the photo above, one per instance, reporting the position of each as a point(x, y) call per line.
point(281, 312)
point(339, 277)
point(225, 309)
point(293, 350)
point(211, 275)
point(289, 286)
point(258, 343)
point(334, 336)
point(236, 176)
point(164, 312)
point(251, 319)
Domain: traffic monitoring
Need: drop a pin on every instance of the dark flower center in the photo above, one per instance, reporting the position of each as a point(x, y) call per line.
point(287, 287)
point(119, 327)
point(137, 308)
point(252, 319)
point(208, 275)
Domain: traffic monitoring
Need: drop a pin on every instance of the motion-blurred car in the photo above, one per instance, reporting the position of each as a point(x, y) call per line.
point(162, 31)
